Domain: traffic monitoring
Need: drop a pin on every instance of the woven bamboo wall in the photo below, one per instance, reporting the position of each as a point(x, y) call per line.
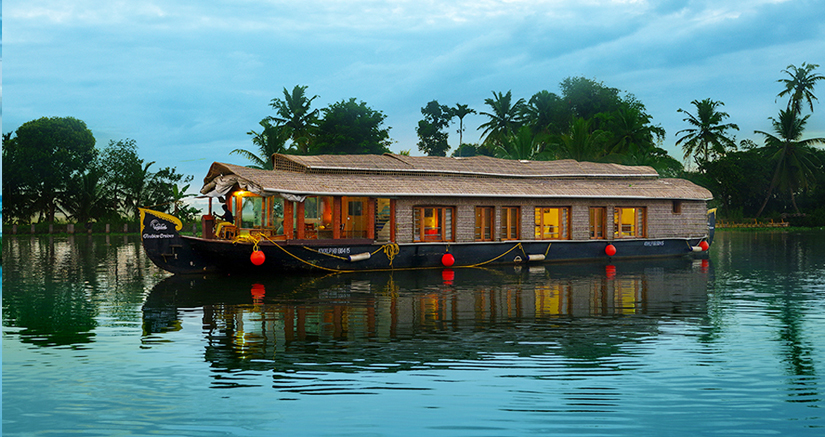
point(662, 222)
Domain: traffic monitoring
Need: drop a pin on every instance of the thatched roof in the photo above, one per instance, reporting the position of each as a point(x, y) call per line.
point(403, 176)
point(476, 165)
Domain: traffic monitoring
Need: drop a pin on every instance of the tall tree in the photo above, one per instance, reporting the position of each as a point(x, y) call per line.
point(505, 118)
point(132, 183)
point(88, 197)
point(294, 113)
point(47, 153)
point(800, 86)
point(119, 164)
point(462, 111)
point(794, 157)
point(523, 145)
point(430, 130)
point(630, 128)
point(546, 113)
point(707, 137)
point(586, 97)
point(349, 127)
point(270, 140)
point(581, 143)
point(18, 205)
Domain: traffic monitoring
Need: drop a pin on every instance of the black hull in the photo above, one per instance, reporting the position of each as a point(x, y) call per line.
point(189, 255)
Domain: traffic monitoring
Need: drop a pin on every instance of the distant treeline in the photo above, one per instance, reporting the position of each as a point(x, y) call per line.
point(52, 169)
point(589, 121)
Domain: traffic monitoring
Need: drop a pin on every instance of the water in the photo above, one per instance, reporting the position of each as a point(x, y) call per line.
point(97, 341)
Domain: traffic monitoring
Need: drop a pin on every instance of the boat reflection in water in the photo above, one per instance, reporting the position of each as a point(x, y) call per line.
point(400, 320)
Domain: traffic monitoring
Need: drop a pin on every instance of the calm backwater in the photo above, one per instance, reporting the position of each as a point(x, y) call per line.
point(97, 341)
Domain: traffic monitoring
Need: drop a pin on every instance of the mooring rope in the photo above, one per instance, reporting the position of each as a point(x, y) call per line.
point(391, 250)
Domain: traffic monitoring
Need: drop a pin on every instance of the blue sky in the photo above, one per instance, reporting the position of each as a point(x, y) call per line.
point(188, 79)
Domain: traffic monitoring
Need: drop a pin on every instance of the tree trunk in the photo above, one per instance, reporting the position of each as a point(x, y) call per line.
point(770, 191)
point(773, 183)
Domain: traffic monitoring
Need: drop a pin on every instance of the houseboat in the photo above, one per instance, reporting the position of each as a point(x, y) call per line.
point(343, 213)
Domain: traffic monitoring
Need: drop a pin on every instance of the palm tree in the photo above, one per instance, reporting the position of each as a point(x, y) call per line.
point(707, 137)
point(505, 118)
point(293, 111)
point(546, 113)
point(178, 194)
point(580, 143)
point(271, 140)
point(800, 86)
point(631, 130)
point(89, 197)
point(138, 191)
point(523, 145)
point(795, 162)
point(462, 111)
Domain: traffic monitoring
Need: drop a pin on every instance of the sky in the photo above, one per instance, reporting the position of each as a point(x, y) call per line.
point(188, 79)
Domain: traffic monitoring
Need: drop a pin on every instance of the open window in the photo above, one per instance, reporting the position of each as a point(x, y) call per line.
point(433, 223)
point(553, 223)
point(630, 222)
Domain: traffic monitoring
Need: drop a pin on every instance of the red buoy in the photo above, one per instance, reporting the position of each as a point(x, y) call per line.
point(704, 245)
point(448, 260)
point(610, 250)
point(257, 257)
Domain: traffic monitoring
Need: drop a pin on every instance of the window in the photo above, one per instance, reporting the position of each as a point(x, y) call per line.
point(252, 212)
point(553, 223)
point(510, 222)
point(484, 223)
point(629, 222)
point(677, 207)
point(317, 217)
point(275, 218)
point(384, 221)
point(433, 223)
point(598, 222)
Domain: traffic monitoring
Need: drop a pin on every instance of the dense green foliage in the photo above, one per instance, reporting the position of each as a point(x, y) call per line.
point(350, 127)
point(430, 130)
point(345, 127)
point(53, 169)
point(41, 162)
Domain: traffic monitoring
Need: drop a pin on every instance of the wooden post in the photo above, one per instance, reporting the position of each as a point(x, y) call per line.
point(371, 218)
point(107, 228)
point(392, 220)
point(70, 228)
point(336, 217)
point(299, 214)
point(288, 225)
